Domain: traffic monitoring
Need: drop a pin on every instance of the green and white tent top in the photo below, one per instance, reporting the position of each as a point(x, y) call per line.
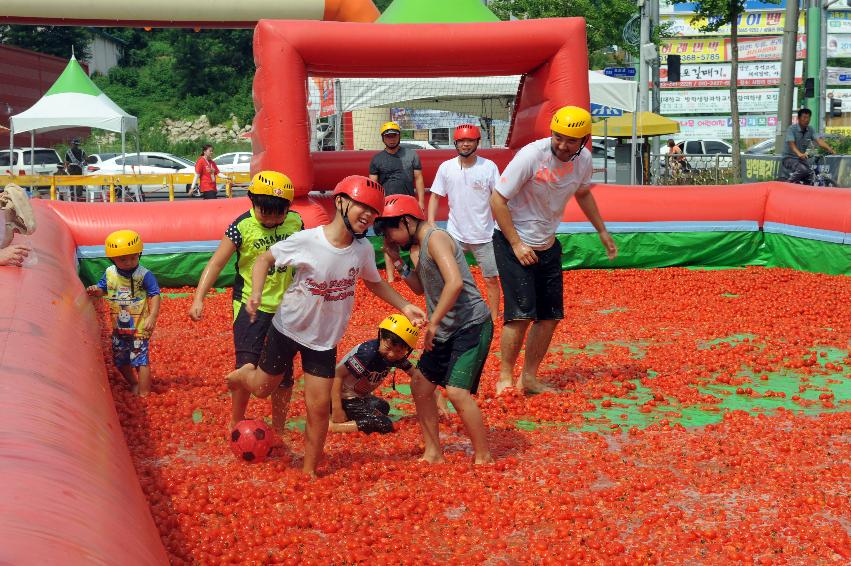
point(73, 101)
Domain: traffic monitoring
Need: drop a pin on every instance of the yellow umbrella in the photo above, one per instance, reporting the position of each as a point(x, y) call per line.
point(647, 124)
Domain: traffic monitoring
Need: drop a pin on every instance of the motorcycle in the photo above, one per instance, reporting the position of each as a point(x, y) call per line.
point(817, 175)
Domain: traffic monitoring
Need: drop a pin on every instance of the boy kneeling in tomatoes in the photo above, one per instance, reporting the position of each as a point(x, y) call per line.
point(353, 406)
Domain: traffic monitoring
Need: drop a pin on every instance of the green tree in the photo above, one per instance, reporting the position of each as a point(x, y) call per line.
point(52, 40)
point(605, 20)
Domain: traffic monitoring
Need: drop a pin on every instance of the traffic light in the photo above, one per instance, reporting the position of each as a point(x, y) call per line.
point(809, 88)
point(673, 68)
point(835, 107)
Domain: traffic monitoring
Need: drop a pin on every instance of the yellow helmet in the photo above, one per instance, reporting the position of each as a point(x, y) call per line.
point(273, 184)
point(123, 242)
point(572, 121)
point(390, 126)
point(399, 325)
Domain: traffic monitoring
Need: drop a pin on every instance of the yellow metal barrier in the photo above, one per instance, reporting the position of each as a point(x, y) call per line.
point(168, 182)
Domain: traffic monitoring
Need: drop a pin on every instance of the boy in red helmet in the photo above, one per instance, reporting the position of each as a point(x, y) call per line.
point(459, 330)
point(328, 261)
point(468, 181)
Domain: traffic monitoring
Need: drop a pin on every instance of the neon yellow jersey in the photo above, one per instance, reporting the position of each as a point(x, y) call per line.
point(252, 239)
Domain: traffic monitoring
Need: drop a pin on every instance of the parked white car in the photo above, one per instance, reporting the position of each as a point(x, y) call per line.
point(234, 162)
point(41, 161)
point(144, 163)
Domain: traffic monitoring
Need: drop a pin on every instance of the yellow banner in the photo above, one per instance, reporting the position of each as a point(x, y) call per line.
point(842, 131)
point(752, 23)
point(694, 50)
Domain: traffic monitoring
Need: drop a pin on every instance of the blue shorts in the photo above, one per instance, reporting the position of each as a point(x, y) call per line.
point(129, 351)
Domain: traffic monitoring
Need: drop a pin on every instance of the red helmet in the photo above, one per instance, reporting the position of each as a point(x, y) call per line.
point(401, 205)
point(467, 132)
point(363, 190)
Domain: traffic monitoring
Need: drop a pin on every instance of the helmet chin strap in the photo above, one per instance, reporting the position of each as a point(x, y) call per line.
point(578, 151)
point(407, 247)
point(345, 215)
point(468, 153)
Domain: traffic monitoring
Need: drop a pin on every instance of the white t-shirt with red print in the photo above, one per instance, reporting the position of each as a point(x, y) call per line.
point(538, 185)
point(318, 304)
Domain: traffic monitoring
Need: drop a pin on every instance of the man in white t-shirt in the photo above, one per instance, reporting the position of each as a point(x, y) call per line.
point(528, 204)
point(468, 180)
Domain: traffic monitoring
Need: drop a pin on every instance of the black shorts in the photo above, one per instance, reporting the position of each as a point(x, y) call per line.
point(249, 337)
point(369, 413)
point(280, 351)
point(533, 292)
point(208, 195)
point(458, 362)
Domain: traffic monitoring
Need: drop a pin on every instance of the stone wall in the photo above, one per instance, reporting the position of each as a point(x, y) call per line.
point(201, 129)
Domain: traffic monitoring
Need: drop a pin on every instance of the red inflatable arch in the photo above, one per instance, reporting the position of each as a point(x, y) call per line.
point(550, 54)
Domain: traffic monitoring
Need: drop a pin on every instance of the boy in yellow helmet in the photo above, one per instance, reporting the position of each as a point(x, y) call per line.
point(269, 221)
point(353, 406)
point(134, 302)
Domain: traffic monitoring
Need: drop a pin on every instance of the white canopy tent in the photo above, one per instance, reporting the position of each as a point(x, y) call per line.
point(359, 93)
point(73, 101)
point(458, 94)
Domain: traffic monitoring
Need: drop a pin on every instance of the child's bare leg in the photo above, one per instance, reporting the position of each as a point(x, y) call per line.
point(346, 427)
point(442, 403)
point(280, 407)
point(492, 286)
point(510, 342)
point(129, 376)
point(245, 381)
point(423, 392)
point(317, 399)
point(144, 380)
point(388, 266)
point(239, 400)
point(471, 416)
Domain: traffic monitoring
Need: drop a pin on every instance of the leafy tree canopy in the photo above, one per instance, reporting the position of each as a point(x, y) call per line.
point(52, 40)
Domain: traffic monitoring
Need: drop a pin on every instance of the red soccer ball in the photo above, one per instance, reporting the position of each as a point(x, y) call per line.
point(251, 440)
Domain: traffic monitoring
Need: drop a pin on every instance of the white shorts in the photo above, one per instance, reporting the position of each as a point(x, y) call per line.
point(484, 257)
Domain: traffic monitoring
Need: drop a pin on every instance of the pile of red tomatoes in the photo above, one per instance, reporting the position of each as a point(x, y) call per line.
point(699, 417)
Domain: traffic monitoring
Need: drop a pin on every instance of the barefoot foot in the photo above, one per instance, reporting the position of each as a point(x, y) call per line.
point(483, 459)
point(432, 458)
point(502, 385)
point(532, 386)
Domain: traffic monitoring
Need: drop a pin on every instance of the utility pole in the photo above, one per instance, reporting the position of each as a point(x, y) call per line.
point(825, 108)
point(657, 97)
point(814, 30)
point(644, 39)
point(787, 75)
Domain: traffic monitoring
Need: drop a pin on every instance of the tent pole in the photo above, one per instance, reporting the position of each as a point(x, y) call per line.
point(123, 153)
point(634, 146)
point(32, 152)
point(606, 151)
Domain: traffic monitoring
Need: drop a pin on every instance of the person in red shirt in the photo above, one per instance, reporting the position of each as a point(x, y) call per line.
point(207, 171)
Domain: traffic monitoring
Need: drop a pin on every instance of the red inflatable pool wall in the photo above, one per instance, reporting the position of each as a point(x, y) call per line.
point(551, 54)
point(69, 492)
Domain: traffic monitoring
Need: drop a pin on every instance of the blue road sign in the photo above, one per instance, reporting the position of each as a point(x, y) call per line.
point(619, 71)
point(605, 111)
point(844, 78)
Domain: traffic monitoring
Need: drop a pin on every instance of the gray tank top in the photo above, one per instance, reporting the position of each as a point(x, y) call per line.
point(469, 309)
